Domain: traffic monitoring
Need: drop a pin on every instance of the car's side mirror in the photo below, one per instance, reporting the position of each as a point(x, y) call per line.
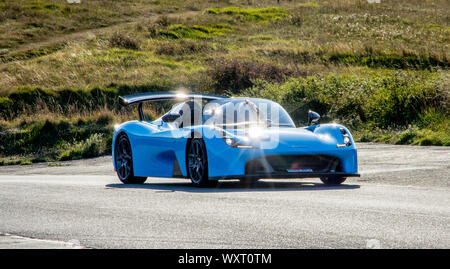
point(171, 117)
point(313, 118)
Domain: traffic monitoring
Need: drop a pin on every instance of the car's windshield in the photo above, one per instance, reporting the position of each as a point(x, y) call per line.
point(240, 113)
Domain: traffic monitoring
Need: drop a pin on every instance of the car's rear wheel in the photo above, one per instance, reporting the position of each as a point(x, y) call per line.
point(333, 180)
point(197, 164)
point(124, 161)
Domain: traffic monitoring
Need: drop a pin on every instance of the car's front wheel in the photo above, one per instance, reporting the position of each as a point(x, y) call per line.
point(197, 164)
point(124, 161)
point(333, 180)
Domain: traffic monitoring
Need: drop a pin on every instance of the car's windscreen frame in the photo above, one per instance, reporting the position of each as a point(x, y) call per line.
point(214, 109)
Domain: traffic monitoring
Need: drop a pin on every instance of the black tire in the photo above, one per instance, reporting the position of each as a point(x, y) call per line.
point(197, 164)
point(333, 180)
point(124, 161)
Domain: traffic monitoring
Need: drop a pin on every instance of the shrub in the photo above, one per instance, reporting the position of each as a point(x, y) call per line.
point(400, 99)
point(93, 146)
point(297, 20)
point(235, 75)
point(153, 30)
point(163, 21)
point(432, 138)
point(433, 118)
point(119, 40)
point(407, 136)
point(26, 99)
point(54, 139)
point(6, 105)
point(31, 95)
point(397, 99)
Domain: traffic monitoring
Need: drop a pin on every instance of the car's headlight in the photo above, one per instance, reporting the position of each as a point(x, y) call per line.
point(234, 143)
point(347, 140)
point(346, 137)
point(230, 141)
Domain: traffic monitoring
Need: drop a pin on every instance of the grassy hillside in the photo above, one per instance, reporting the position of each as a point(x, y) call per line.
point(382, 69)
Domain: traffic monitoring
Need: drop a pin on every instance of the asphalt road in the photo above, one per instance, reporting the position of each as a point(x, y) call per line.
point(402, 200)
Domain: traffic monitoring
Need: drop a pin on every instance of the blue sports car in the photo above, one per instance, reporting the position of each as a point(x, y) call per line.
point(208, 137)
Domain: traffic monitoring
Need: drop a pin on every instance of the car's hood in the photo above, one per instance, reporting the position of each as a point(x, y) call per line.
point(284, 137)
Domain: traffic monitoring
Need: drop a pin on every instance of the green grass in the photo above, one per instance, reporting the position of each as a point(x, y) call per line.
point(389, 61)
point(28, 21)
point(33, 20)
point(411, 135)
point(254, 14)
point(27, 101)
point(179, 31)
point(32, 53)
point(53, 140)
point(93, 146)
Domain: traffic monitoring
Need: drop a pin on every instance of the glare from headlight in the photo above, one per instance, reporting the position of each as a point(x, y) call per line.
point(181, 95)
point(255, 132)
point(229, 141)
point(235, 144)
point(346, 140)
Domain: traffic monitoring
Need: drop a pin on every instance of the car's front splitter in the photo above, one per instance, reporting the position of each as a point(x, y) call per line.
point(287, 175)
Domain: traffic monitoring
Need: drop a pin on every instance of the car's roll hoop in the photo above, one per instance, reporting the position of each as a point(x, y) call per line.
point(154, 96)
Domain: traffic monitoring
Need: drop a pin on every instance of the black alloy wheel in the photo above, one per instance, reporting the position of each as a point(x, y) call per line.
point(197, 164)
point(124, 161)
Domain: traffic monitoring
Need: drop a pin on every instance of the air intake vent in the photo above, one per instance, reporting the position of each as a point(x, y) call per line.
point(294, 163)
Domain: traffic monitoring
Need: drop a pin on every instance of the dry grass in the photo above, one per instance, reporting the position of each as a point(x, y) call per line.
point(314, 38)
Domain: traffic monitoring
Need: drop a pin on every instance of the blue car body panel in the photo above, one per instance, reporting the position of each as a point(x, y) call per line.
point(225, 161)
point(154, 149)
point(158, 150)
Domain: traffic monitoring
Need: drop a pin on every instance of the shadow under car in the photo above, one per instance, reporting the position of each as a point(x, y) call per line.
point(235, 186)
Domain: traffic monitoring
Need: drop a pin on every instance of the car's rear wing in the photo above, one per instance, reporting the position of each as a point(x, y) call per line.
point(153, 96)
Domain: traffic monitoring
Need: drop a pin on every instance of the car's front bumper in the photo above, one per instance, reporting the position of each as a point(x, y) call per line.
point(289, 144)
point(232, 163)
